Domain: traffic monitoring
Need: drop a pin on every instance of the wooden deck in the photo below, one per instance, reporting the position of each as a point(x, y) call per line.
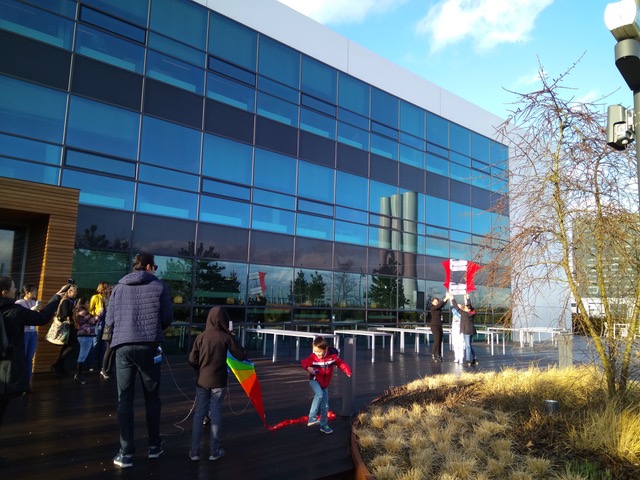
point(66, 430)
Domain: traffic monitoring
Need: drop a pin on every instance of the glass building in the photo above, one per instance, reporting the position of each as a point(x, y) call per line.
point(270, 164)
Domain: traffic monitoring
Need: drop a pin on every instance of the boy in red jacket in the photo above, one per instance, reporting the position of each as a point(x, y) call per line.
point(320, 367)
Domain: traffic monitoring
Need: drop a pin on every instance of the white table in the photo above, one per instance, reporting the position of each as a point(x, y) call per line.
point(426, 331)
point(277, 332)
point(371, 339)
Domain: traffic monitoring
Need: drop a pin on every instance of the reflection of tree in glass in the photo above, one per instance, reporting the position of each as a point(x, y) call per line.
point(89, 239)
point(387, 292)
point(345, 286)
point(309, 293)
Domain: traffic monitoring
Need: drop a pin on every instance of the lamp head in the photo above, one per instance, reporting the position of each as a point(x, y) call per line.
point(623, 19)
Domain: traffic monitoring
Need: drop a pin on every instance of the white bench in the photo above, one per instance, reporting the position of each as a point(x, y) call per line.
point(371, 339)
point(276, 332)
point(426, 331)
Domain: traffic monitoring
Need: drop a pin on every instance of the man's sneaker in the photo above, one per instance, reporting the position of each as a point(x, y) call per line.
point(216, 454)
point(123, 461)
point(326, 429)
point(104, 374)
point(155, 452)
point(194, 457)
point(311, 423)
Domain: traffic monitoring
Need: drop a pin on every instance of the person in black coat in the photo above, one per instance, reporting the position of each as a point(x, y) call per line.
point(436, 326)
point(468, 329)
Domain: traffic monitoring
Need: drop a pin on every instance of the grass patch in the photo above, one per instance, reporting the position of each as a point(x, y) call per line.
point(493, 425)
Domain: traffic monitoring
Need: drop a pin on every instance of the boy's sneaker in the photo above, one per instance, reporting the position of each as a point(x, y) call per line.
point(326, 429)
point(475, 362)
point(155, 452)
point(194, 457)
point(123, 461)
point(216, 454)
point(311, 423)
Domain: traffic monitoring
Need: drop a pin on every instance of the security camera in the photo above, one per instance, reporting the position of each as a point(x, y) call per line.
point(619, 127)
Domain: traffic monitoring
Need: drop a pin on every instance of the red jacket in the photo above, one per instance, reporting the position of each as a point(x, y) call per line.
point(324, 366)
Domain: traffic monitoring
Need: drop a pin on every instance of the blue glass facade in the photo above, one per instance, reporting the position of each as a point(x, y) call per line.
point(260, 177)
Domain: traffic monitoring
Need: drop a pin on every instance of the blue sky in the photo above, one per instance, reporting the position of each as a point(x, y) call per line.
point(478, 48)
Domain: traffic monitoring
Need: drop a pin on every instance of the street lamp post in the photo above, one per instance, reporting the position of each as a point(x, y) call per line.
point(623, 21)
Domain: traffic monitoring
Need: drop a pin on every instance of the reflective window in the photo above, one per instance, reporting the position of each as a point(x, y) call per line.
point(177, 49)
point(437, 130)
point(223, 242)
point(279, 62)
point(437, 247)
point(480, 147)
point(352, 190)
point(460, 216)
point(438, 165)
point(103, 128)
point(100, 190)
point(460, 139)
point(459, 172)
point(435, 149)
point(278, 90)
point(459, 158)
point(358, 216)
point(437, 212)
point(232, 41)
point(170, 145)
point(274, 199)
point(226, 159)
point(353, 94)
point(224, 212)
point(353, 136)
point(460, 250)
point(220, 283)
point(31, 172)
point(318, 105)
point(412, 119)
point(274, 283)
point(135, 12)
point(229, 70)
point(384, 146)
point(319, 80)
point(112, 228)
point(348, 232)
point(178, 239)
point(175, 72)
point(499, 155)
point(180, 19)
point(88, 267)
point(109, 49)
point(275, 172)
point(315, 207)
point(166, 202)
point(314, 227)
point(311, 288)
point(480, 222)
point(412, 141)
point(317, 123)
point(231, 92)
point(226, 189)
point(412, 156)
point(107, 22)
point(315, 181)
point(437, 232)
point(272, 220)
point(30, 110)
point(101, 164)
point(30, 149)
point(35, 23)
point(66, 8)
point(462, 237)
point(384, 108)
point(169, 178)
point(277, 109)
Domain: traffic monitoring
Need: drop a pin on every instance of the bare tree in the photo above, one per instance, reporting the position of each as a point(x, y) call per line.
point(562, 174)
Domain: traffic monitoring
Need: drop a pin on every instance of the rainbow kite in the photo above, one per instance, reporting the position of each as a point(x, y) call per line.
point(245, 372)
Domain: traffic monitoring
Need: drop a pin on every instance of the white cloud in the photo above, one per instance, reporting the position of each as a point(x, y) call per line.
point(486, 23)
point(341, 11)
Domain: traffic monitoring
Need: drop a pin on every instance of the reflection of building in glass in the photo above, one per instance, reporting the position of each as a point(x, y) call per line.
point(237, 149)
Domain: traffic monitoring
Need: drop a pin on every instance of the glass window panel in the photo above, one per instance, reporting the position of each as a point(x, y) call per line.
point(226, 159)
point(315, 207)
point(174, 72)
point(103, 128)
point(459, 172)
point(278, 110)
point(384, 108)
point(460, 250)
point(31, 172)
point(379, 237)
point(319, 105)
point(437, 232)
point(109, 49)
point(312, 288)
point(167, 202)
point(348, 232)
point(480, 147)
point(274, 283)
point(351, 215)
point(100, 164)
point(35, 23)
point(412, 119)
point(231, 92)
point(412, 156)
point(101, 190)
point(135, 12)
point(384, 146)
point(319, 80)
point(499, 155)
point(224, 212)
point(480, 179)
point(435, 149)
point(315, 181)
point(111, 226)
point(352, 190)
point(480, 222)
point(314, 227)
point(232, 71)
point(437, 165)
point(272, 220)
point(459, 158)
point(177, 49)
point(107, 22)
point(278, 89)
point(226, 189)
point(30, 110)
point(233, 42)
point(279, 62)
point(317, 123)
point(460, 216)
point(354, 119)
point(169, 178)
point(178, 237)
point(180, 19)
point(460, 139)
point(170, 145)
point(275, 172)
point(412, 141)
point(383, 130)
point(30, 149)
point(437, 130)
point(66, 8)
point(380, 195)
point(459, 236)
point(274, 199)
point(436, 247)
point(353, 94)
point(220, 283)
point(437, 211)
point(353, 136)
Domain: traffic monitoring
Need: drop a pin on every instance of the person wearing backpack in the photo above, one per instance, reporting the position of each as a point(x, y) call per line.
point(13, 361)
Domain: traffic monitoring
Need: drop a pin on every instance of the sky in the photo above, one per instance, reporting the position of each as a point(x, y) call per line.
point(483, 50)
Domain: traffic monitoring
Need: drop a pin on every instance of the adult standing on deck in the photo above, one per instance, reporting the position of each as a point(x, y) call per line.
point(139, 310)
point(435, 324)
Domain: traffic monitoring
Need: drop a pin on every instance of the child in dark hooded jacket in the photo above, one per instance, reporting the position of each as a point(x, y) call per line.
point(209, 357)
